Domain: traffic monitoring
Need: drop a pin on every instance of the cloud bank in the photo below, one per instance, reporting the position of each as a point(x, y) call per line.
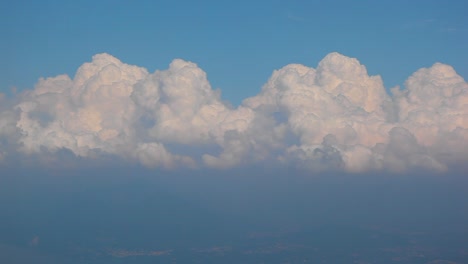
point(333, 117)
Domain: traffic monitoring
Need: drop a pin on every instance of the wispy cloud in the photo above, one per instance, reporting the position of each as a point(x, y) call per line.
point(295, 18)
point(419, 24)
point(433, 25)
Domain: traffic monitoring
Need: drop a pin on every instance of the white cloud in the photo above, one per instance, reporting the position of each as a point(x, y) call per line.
point(155, 155)
point(182, 106)
point(92, 111)
point(434, 107)
point(334, 117)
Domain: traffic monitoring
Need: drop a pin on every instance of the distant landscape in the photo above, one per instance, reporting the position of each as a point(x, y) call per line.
point(236, 218)
point(326, 245)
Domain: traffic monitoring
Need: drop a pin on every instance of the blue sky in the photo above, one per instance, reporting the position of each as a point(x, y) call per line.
point(237, 43)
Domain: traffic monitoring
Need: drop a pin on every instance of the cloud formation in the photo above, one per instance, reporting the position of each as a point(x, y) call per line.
point(333, 117)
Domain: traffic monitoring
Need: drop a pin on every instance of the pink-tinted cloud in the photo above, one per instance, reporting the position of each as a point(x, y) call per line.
point(333, 117)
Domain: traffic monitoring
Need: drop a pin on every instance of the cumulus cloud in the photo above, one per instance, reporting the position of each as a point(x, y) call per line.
point(434, 107)
point(92, 111)
point(333, 117)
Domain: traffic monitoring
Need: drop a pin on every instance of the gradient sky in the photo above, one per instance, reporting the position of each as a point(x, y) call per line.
point(324, 159)
point(237, 43)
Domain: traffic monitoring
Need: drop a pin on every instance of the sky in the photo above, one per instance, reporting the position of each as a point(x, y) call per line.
point(238, 44)
point(233, 132)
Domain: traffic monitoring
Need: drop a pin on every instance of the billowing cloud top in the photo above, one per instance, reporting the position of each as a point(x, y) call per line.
point(334, 117)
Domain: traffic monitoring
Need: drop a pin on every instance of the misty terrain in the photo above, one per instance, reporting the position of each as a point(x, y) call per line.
point(133, 215)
